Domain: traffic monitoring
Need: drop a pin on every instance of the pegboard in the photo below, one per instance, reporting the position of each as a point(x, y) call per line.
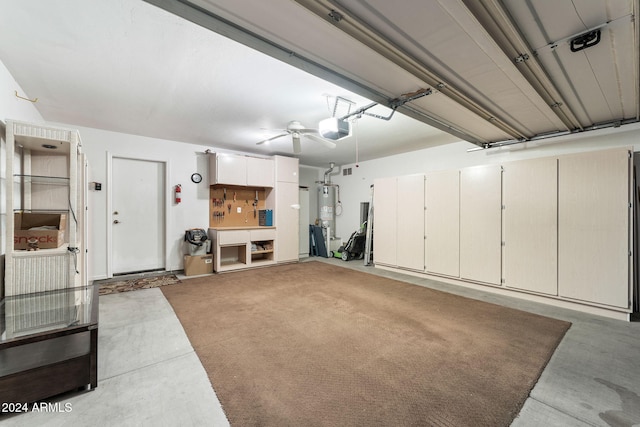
point(236, 208)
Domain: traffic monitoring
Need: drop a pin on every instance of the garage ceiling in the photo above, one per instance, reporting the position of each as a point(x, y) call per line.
point(499, 71)
point(492, 72)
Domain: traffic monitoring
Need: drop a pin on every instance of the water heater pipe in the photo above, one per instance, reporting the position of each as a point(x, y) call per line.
point(329, 172)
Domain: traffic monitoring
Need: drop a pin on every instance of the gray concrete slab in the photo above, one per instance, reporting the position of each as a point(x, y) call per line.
point(174, 392)
point(536, 414)
point(150, 336)
point(149, 374)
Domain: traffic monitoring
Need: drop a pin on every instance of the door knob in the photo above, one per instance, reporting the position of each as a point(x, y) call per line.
point(115, 221)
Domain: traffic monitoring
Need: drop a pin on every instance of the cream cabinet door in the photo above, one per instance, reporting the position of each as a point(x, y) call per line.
point(230, 169)
point(287, 222)
point(531, 225)
point(385, 221)
point(287, 169)
point(481, 224)
point(593, 227)
point(442, 223)
point(410, 222)
point(260, 172)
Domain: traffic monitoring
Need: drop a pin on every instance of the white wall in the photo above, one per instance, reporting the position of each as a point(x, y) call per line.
point(308, 177)
point(13, 108)
point(182, 160)
point(354, 188)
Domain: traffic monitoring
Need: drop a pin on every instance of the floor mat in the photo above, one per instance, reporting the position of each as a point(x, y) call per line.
point(316, 344)
point(112, 287)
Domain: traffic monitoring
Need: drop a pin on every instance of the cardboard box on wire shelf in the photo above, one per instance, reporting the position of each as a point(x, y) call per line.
point(38, 230)
point(198, 264)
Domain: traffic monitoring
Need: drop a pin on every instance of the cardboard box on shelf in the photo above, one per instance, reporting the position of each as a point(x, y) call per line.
point(43, 231)
point(198, 264)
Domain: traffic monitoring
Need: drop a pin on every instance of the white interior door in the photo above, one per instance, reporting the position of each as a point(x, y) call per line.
point(137, 217)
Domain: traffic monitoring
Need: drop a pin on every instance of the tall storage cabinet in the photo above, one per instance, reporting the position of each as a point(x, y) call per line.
point(399, 222)
point(557, 228)
point(385, 235)
point(481, 224)
point(530, 189)
point(442, 223)
point(594, 207)
point(46, 173)
point(410, 217)
point(287, 209)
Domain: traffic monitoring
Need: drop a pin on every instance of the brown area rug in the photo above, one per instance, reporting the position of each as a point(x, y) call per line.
point(112, 287)
point(313, 344)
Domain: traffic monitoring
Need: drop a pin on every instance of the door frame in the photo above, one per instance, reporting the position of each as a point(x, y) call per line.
point(167, 201)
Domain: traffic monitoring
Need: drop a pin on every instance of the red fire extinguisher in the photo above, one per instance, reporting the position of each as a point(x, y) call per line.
point(178, 193)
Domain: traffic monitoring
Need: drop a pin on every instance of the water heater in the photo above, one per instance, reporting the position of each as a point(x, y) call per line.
point(326, 207)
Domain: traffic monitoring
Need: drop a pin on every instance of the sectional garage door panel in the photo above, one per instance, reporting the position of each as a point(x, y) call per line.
point(481, 224)
point(593, 227)
point(442, 223)
point(531, 225)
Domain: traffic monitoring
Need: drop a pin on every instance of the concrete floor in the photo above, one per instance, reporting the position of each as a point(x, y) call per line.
point(149, 375)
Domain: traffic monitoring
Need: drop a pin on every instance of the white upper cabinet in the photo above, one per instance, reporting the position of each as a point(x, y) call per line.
point(260, 172)
point(228, 169)
point(286, 169)
point(234, 169)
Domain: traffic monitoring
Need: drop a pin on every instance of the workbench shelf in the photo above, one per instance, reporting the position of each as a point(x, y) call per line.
point(232, 248)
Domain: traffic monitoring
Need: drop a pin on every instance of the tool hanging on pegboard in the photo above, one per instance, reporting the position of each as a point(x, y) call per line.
point(231, 205)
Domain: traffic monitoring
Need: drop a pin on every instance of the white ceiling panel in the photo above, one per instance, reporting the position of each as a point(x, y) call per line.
point(295, 28)
point(600, 82)
point(447, 38)
point(288, 24)
point(452, 43)
point(473, 125)
point(128, 66)
point(228, 74)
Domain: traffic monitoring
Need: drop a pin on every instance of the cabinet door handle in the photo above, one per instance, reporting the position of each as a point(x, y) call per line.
point(115, 221)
